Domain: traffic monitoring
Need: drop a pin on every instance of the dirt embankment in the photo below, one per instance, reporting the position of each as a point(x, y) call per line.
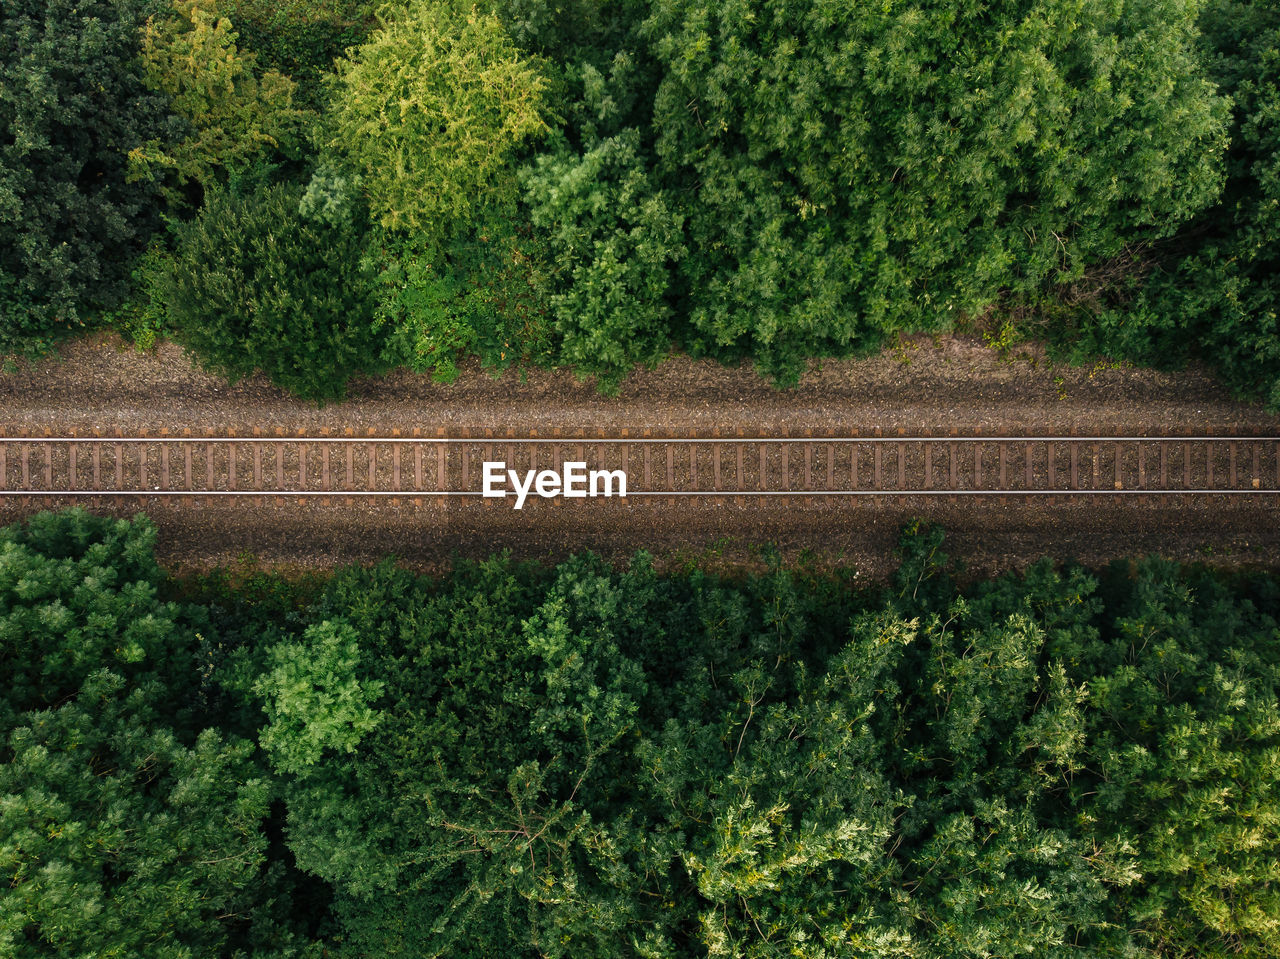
point(924, 387)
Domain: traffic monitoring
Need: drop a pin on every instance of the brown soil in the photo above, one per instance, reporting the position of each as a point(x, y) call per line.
point(923, 387)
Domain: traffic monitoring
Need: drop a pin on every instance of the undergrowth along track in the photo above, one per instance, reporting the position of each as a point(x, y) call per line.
point(415, 467)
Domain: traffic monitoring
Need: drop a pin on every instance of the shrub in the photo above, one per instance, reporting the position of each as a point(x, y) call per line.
point(615, 238)
point(487, 296)
point(255, 285)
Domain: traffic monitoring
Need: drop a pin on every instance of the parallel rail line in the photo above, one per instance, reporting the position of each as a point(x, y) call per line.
point(716, 466)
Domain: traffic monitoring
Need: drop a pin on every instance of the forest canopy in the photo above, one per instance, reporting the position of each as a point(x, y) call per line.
point(584, 760)
point(594, 185)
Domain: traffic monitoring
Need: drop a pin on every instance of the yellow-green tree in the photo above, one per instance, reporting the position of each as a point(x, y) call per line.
point(235, 115)
point(431, 109)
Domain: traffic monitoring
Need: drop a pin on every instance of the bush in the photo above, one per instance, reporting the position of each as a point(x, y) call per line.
point(487, 296)
point(616, 239)
point(255, 285)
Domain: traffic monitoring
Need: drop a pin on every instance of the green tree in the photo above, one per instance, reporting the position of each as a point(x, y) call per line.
point(1213, 293)
point(856, 169)
point(615, 238)
point(312, 698)
point(1166, 764)
point(125, 829)
point(597, 762)
point(256, 285)
point(988, 735)
point(778, 813)
point(1184, 762)
point(460, 824)
point(72, 106)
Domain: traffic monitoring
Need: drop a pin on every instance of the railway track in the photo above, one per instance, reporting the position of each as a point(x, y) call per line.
point(810, 466)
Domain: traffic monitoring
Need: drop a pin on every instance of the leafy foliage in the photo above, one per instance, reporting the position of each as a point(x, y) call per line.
point(430, 109)
point(569, 182)
point(332, 197)
point(142, 318)
point(615, 239)
point(236, 116)
point(474, 803)
point(1214, 293)
point(255, 285)
point(72, 106)
point(312, 700)
point(855, 169)
point(1186, 750)
point(565, 31)
point(989, 731)
point(301, 38)
point(123, 829)
point(777, 810)
point(488, 296)
point(599, 764)
point(590, 762)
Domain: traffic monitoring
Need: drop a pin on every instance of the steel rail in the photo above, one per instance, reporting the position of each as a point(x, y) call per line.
point(482, 440)
point(723, 493)
point(85, 467)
